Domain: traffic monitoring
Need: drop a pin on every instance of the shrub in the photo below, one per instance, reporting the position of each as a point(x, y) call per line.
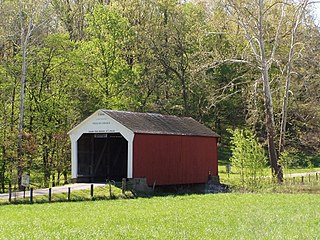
point(248, 157)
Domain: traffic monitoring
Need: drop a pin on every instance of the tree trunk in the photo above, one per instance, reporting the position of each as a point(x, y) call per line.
point(46, 170)
point(21, 122)
point(3, 170)
point(24, 40)
point(53, 180)
point(22, 94)
point(288, 76)
point(273, 158)
point(284, 111)
point(184, 96)
point(65, 176)
point(58, 178)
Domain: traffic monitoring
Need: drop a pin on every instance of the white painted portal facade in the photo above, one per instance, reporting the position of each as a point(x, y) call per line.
point(99, 122)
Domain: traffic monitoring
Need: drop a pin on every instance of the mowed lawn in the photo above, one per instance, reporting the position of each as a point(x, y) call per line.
point(212, 216)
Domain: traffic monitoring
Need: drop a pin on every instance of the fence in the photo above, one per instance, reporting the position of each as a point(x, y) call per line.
point(74, 192)
point(292, 183)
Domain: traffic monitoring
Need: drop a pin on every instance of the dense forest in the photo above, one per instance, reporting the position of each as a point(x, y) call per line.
point(227, 63)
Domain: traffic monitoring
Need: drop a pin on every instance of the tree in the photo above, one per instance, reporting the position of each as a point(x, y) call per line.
point(298, 14)
point(248, 157)
point(225, 63)
point(72, 14)
point(167, 45)
point(31, 20)
point(252, 18)
point(53, 105)
point(302, 133)
point(104, 51)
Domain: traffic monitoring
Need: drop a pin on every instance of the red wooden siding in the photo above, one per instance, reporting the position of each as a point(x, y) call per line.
point(172, 159)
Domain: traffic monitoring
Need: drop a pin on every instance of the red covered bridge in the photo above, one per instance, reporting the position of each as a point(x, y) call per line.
point(166, 150)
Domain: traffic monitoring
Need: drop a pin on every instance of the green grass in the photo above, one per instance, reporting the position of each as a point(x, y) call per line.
point(306, 184)
point(213, 216)
point(233, 178)
point(100, 193)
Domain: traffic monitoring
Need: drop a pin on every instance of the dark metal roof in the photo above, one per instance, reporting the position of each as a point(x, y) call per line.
point(153, 123)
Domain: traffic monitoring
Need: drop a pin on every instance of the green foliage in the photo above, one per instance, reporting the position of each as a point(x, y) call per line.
point(286, 161)
point(174, 57)
point(297, 160)
point(104, 55)
point(248, 157)
point(213, 216)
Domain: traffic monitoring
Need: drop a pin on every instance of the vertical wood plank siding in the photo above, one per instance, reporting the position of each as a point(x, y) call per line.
point(172, 159)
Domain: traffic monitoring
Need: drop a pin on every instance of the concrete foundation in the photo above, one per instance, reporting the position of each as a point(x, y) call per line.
point(139, 185)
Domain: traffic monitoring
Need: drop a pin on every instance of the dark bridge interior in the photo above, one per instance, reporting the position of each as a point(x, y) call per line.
point(101, 157)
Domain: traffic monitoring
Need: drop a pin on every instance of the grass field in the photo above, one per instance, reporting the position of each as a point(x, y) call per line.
point(212, 216)
point(233, 178)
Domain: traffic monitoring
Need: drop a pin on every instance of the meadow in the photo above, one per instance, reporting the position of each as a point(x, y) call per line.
point(211, 216)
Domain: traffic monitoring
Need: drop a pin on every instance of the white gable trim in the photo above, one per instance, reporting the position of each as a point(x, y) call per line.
point(99, 122)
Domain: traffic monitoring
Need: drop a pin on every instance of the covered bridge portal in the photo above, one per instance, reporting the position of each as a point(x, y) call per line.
point(165, 150)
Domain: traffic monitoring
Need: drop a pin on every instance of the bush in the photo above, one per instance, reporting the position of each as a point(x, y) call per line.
point(248, 157)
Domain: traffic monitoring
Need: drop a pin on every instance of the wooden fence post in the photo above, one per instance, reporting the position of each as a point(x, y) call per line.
point(91, 190)
point(69, 193)
point(10, 193)
point(124, 181)
point(317, 176)
point(110, 190)
point(302, 179)
point(50, 191)
point(31, 195)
